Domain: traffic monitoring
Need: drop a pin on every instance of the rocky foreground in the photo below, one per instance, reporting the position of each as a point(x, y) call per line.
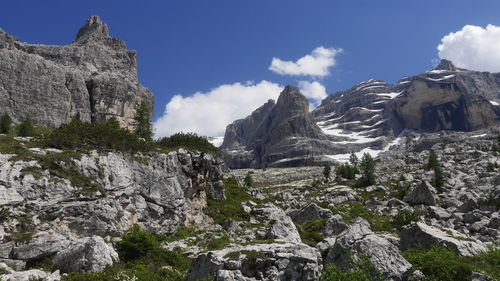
point(62, 220)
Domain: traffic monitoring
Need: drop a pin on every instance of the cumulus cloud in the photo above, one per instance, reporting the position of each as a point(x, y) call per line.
point(209, 113)
point(315, 64)
point(314, 91)
point(473, 47)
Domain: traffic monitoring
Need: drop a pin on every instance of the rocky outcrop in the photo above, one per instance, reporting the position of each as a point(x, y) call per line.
point(48, 211)
point(28, 275)
point(281, 226)
point(89, 254)
point(283, 261)
point(369, 117)
point(424, 194)
point(359, 240)
point(425, 236)
point(276, 135)
point(93, 78)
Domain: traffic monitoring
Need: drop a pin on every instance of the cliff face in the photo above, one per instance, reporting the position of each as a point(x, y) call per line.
point(277, 134)
point(366, 118)
point(94, 77)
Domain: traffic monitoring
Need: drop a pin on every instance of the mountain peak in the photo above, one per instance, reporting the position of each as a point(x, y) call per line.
point(94, 28)
point(446, 65)
point(292, 99)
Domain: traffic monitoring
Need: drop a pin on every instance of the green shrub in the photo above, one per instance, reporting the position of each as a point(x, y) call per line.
point(142, 122)
point(248, 180)
point(5, 124)
point(78, 135)
point(310, 232)
point(190, 141)
point(346, 171)
point(367, 167)
point(362, 270)
point(136, 244)
point(402, 218)
point(26, 128)
point(487, 263)
point(231, 208)
point(439, 264)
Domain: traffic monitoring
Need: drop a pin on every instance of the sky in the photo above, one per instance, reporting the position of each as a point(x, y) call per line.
point(211, 62)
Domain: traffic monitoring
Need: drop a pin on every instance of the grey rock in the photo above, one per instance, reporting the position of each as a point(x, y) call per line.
point(42, 244)
point(28, 275)
point(358, 240)
point(94, 78)
point(439, 213)
point(424, 193)
point(334, 226)
point(271, 262)
point(422, 235)
point(311, 212)
point(89, 254)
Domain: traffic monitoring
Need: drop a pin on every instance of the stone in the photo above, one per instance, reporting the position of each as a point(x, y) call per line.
point(90, 254)
point(425, 236)
point(334, 226)
point(281, 226)
point(42, 244)
point(93, 78)
point(439, 213)
point(279, 261)
point(424, 194)
point(359, 240)
point(28, 275)
point(311, 212)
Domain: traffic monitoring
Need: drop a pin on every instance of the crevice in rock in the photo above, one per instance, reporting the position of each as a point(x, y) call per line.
point(90, 90)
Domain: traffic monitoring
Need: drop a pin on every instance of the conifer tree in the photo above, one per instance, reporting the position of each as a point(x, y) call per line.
point(26, 128)
point(367, 167)
point(5, 123)
point(142, 122)
point(326, 172)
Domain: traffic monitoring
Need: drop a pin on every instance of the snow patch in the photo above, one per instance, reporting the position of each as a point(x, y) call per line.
point(390, 95)
point(479, 136)
point(216, 141)
point(494, 103)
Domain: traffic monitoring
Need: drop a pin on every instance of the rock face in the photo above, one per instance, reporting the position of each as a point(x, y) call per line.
point(358, 240)
point(90, 254)
point(159, 192)
point(94, 78)
point(279, 135)
point(368, 117)
point(423, 194)
point(425, 236)
point(285, 261)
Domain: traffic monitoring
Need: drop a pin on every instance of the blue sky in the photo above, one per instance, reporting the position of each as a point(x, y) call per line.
point(189, 46)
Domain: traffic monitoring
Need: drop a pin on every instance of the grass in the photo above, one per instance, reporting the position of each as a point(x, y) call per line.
point(361, 270)
point(351, 210)
point(310, 232)
point(440, 264)
point(230, 209)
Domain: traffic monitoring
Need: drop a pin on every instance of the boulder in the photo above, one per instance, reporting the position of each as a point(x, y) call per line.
point(28, 275)
point(90, 254)
point(42, 244)
point(311, 212)
point(424, 194)
point(281, 226)
point(358, 240)
point(285, 261)
point(425, 236)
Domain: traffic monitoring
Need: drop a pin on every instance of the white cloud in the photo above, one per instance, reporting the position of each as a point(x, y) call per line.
point(209, 113)
point(314, 91)
point(315, 64)
point(473, 47)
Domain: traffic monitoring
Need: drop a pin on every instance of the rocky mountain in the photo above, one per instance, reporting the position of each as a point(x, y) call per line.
point(366, 118)
point(94, 77)
point(276, 133)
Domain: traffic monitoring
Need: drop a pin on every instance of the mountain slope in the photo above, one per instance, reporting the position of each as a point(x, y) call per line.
point(95, 78)
point(366, 118)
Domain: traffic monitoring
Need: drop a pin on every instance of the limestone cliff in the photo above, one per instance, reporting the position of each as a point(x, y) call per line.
point(94, 77)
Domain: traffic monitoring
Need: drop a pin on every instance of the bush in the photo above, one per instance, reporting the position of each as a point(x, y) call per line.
point(362, 270)
point(402, 218)
point(26, 128)
point(136, 244)
point(190, 141)
point(439, 264)
point(310, 232)
point(78, 135)
point(326, 172)
point(231, 208)
point(346, 171)
point(248, 180)
point(5, 123)
point(142, 122)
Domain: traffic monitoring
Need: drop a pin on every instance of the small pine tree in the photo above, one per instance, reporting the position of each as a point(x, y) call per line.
point(5, 123)
point(248, 180)
point(367, 167)
point(326, 172)
point(26, 128)
point(353, 159)
point(433, 161)
point(142, 122)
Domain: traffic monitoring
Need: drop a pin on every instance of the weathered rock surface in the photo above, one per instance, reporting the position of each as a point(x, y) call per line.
point(94, 78)
point(369, 115)
point(423, 194)
point(28, 275)
point(276, 135)
point(311, 212)
point(159, 192)
point(359, 240)
point(90, 254)
point(281, 226)
point(422, 235)
point(285, 261)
